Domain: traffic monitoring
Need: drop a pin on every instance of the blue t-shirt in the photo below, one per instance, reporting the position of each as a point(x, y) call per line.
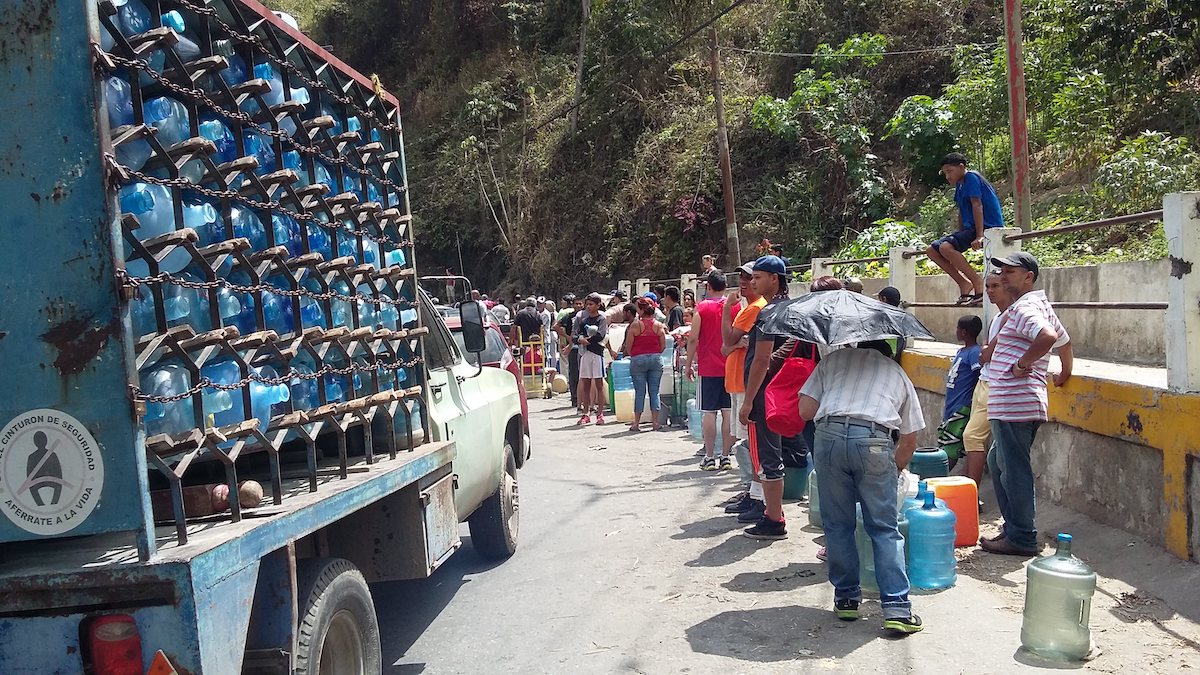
point(975, 185)
point(962, 378)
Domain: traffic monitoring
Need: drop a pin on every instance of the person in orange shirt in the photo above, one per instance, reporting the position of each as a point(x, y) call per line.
point(734, 328)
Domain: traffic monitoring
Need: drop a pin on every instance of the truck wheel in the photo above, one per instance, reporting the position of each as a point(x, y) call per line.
point(495, 524)
point(338, 632)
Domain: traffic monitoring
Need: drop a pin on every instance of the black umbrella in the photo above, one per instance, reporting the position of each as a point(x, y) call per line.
point(839, 318)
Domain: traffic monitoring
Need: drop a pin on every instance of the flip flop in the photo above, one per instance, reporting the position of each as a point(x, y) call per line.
point(964, 299)
point(976, 300)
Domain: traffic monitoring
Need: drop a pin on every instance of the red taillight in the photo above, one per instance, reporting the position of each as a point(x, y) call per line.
point(115, 646)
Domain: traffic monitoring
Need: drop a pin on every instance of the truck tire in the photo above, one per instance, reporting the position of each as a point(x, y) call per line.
point(338, 633)
point(496, 523)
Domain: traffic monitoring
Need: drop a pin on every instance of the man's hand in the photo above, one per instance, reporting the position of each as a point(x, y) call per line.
point(1019, 371)
point(744, 413)
point(688, 372)
point(1060, 378)
point(977, 244)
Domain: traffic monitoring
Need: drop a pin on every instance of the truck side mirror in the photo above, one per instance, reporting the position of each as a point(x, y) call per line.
point(471, 315)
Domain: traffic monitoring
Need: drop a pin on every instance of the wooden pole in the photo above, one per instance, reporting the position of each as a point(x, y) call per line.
point(587, 10)
point(1018, 119)
point(731, 228)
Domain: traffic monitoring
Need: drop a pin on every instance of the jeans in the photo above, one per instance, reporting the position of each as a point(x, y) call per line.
point(1012, 477)
point(573, 375)
point(646, 371)
point(858, 465)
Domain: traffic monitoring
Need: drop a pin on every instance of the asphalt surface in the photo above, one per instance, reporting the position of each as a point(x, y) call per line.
point(626, 565)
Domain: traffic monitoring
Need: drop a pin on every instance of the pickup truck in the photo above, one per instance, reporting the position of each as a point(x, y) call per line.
point(228, 405)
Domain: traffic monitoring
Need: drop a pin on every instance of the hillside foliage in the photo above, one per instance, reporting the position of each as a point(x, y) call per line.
point(835, 152)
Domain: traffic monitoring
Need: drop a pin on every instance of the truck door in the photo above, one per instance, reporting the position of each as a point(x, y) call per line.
point(459, 412)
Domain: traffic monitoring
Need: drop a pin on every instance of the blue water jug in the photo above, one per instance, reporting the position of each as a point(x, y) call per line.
point(277, 308)
point(342, 309)
point(622, 379)
point(1058, 605)
point(152, 204)
point(167, 379)
point(287, 233)
point(917, 501)
point(387, 316)
point(319, 240)
point(247, 225)
point(931, 546)
point(141, 309)
point(814, 500)
point(185, 46)
point(325, 109)
point(929, 463)
point(288, 124)
point(118, 100)
point(262, 150)
point(274, 96)
point(131, 18)
point(395, 257)
point(268, 400)
point(235, 72)
point(216, 131)
point(327, 178)
point(169, 117)
point(204, 218)
point(866, 549)
point(245, 320)
point(368, 315)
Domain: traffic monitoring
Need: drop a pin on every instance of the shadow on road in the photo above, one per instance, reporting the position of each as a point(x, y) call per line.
point(795, 575)
point(991, 568)
point(422, 600)
point(728, 552)
point(710, 527)
point(774, 634)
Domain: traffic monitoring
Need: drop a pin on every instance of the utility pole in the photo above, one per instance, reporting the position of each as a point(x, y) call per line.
point(731, 228)
point(583, 26)
point(1018, 119)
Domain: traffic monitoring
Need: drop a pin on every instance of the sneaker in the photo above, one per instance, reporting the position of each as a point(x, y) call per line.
point(742, 505)
point(823, 554)
point(753, 514)
point(701, 452)
point(846, 610)
point(726, 464)
point(599, 419)
point(584, 420)
point(906, 625)
point(767, 529)
point(708, 464)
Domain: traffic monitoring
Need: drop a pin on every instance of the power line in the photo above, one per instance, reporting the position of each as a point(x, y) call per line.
point(835, 55)
point(567, 109)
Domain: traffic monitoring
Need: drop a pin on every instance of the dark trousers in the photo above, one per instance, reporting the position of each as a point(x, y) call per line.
point(573, 375)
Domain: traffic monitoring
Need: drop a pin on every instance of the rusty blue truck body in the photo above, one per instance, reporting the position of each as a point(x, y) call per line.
point(366, 473)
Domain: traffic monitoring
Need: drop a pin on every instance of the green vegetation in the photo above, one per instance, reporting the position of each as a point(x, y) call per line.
point(833, 153)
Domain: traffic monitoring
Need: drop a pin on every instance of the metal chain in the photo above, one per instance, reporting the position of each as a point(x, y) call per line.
point(288, 65)
point(206, 383)
point(245, 119)
point(165, 278)
point(185, 184)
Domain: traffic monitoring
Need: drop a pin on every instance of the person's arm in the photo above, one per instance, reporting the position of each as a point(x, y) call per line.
point(905, 449)
point(693, 342)
point(758, 373)
point(661, 330)
point(1040, 347)
point(977, 210)
point(1066, 356)
point(727, 320)
point(808, 407)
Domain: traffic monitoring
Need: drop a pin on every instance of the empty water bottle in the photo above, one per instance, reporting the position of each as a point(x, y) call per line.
point(325, 109)
point(319, 240)
point(368, 315)
point(141, 310)
point(245, 320)
point(622, 379)
point(169, 117)
point(388, 316)
point(261, 149)
point(1058, 604)
point(304, 390)
point(326, 177)
point(274, 96)
point(343, 315)
point(287, 233)
point(131, 18)
point(167, 417)
point(204, 218)
point(288, 124)
point(293, 162)
point(153, 206)
point(235, 73)
point(918, 500)
point(119, 102)
point(185, 46)
point(931, 546)
point(246, 225)
point(268, 399)
point(394, 256)
point(216, 131)
point(277, 308)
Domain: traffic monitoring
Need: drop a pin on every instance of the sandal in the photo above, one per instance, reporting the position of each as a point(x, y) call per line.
point(635, 428)
point(964, 298)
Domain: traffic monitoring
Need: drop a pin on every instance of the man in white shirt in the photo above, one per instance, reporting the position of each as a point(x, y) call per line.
point(867, 417)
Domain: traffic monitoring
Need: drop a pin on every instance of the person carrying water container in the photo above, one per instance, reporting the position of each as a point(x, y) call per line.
point(867, 417)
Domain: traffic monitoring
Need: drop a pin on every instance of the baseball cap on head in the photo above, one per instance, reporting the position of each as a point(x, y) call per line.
point(771, 264)
point(746, 268)
point(1019, 259)
point(651, 296)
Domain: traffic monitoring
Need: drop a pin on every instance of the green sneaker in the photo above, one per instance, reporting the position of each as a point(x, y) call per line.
point(846, 610)
point(906, 625)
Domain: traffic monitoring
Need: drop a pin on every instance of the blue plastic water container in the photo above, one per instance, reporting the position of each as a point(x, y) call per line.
point(931, 564)
point(622, 380)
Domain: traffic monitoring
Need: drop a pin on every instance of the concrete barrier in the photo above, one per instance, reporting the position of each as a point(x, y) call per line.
point(1123, 453)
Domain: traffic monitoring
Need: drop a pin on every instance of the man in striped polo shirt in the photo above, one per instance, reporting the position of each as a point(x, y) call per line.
point(1016, 405)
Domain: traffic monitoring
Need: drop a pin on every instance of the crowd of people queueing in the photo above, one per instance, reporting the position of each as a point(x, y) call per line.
point(858, 414)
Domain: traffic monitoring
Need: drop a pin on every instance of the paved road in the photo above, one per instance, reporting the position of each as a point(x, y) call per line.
point(625, 565)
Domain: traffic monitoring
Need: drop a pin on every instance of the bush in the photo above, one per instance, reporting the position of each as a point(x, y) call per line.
point(923, 126)
point(1147, 167)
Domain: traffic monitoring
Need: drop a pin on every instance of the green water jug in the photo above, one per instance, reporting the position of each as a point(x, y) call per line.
point(1058, 602)
point(929, 463)
point(866, 551)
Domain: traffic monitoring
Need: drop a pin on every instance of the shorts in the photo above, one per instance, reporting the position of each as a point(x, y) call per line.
point(711, 394)
point(978, 431)
point(735, 423)
point(961, 240)
point(950, 433)
point(591, 366)
point(766, 452)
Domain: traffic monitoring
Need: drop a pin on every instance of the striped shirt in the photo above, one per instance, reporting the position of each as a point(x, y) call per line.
point(1022, 399)
point(867, 385)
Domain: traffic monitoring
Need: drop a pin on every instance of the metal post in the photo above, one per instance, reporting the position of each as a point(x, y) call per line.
point(731, 228)
point(902, 272)
point(1181, 224)
point(1018, 120)
point(994, 246)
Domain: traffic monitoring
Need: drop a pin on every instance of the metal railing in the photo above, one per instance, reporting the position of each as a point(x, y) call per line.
point(1089, 225)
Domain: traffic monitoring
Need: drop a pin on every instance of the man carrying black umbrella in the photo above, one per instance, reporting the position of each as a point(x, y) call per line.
point(867, 417)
